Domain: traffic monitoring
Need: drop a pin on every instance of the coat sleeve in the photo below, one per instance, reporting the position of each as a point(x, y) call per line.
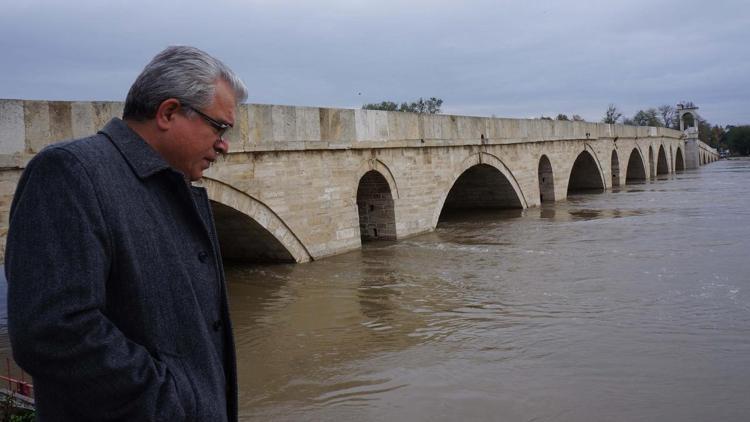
point(57, 263)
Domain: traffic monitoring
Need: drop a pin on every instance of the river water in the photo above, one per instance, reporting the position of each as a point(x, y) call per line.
point(622, 306)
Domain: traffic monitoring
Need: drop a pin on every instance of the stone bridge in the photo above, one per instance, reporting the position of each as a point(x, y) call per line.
point(302, 183)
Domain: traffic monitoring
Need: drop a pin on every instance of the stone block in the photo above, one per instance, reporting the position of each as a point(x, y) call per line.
point(470, 128)
point(605, 130)
point(429, 126)
point(60, 121)
point(625, 131)
point(37, 121)
point(520, 129)
point(12, 127)
point(284, 121)
point(337, 125)
point(105, 111)
point(593, 129)
point(307, 123)
point(371, 125)
point(546, 128)
point(503, 129)
point(260, 124)
point(82, 119)
point(403, 126)
point(578, 130)
point(438, 126)
point(535, 129)
point(642, 131)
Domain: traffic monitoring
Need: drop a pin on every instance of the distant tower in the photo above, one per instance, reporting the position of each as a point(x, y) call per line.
point(688, 117)
point(689, 126)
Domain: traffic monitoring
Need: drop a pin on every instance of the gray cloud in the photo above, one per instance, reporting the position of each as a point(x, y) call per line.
point(507, 58)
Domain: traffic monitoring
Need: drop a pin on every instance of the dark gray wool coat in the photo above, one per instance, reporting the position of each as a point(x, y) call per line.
point(117, 302)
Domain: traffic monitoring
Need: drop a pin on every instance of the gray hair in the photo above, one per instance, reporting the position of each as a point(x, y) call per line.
point(185, 73)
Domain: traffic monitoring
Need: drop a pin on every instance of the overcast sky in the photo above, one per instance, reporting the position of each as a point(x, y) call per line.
point(504, 58)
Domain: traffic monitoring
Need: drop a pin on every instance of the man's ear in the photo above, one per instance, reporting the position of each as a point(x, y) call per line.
point(166, 113)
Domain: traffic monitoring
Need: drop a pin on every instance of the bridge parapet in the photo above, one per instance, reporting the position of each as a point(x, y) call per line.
point(273, 127)
point(27, 126)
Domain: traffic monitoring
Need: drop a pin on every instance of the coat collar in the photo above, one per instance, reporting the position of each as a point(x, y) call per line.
point(143, 159)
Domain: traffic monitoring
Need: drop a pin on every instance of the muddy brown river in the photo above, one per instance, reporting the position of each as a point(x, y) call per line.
point(631, 305)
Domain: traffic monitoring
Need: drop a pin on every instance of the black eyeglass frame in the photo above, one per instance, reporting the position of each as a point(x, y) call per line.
point(221, 128)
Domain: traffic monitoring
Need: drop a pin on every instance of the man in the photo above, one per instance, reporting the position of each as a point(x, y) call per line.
point(117, 304)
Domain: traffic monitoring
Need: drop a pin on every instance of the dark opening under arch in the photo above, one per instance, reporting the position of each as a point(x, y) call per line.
point(688, 120)
point(377, 219)
point(661, 162)
point(244, 239)
point(480, 187)
point(679, 162)
point(546, 180)
point(585, 176)
point(635, 172)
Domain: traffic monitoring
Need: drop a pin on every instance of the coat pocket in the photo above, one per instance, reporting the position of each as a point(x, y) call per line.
point(183, 382)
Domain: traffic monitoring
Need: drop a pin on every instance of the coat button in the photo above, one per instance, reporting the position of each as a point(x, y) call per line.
point(217, 325)
point(202, 256)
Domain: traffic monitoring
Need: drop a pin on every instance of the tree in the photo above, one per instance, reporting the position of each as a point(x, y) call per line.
point(648, 117)
point(704, 130)
point(738, 139)
point(668, 116)
point(562, 117)
point(385, 106)
point(718, 137)
point(430, 106)
point(685, 104)
point(612, 115)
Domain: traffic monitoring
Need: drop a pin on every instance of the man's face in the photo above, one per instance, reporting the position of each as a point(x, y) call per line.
point(195, 143)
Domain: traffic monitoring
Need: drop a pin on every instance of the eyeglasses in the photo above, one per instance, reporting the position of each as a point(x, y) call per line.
point(221, 128)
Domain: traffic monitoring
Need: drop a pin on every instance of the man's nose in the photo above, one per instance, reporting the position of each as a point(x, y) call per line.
point(221, 146)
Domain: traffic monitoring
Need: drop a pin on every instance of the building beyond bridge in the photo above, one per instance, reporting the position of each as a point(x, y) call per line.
point(301, 183)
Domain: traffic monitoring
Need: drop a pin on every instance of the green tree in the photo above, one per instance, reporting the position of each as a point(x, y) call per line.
point(648, 117)
point(704, 131)
point(384, 105)
point(612, 115)
point(717, 136)
point(429, 106)
point(562, 117)
point(738, 139)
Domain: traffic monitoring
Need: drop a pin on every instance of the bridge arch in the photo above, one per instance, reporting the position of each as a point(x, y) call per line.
point(585, 175)
point(679, 161)
point(661, 162)
point(249, 230)
point(636, 171)
point(546, 180)
point(380, 167)
point(615, 167)
point(375, 207)
point(476, 167)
